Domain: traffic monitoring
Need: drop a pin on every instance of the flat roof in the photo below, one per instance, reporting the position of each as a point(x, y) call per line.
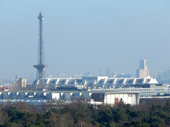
point(108, 92)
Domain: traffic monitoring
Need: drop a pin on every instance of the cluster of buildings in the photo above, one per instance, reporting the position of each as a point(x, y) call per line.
point(20, 84)
point(142, 72)
point(109, 88)
point(106, 89)
point(95, 89)
point(93, 97)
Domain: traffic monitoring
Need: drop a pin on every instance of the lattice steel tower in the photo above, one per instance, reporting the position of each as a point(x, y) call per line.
point(41, 57)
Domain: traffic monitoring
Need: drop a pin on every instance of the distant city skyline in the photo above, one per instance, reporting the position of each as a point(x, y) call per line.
point(162, 77)
point(81, 36)
point(106, 72)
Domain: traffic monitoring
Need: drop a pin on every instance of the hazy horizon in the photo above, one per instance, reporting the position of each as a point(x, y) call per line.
point(81, 36)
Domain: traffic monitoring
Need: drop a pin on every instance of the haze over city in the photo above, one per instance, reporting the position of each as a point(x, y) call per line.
point(84, 63)
point(81, 36)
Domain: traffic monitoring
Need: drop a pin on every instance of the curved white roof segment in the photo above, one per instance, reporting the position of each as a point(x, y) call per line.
point(99, 81)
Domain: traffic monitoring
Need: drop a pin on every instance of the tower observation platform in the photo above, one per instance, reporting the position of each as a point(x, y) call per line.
point(40, 79)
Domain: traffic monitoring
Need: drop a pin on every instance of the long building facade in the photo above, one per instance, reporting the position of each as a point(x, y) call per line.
point(97, 81)
point(93, 97)
point(146, 90)
point(148, 87)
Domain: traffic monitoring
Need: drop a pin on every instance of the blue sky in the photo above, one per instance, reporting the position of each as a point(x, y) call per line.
point(81, 36)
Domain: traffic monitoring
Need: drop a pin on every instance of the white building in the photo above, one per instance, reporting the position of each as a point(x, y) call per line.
point(113, 98)
point(97, 81)
point(143, 71)
point(40, 97)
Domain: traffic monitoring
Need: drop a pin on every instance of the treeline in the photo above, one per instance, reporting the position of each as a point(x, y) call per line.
point(80, 114)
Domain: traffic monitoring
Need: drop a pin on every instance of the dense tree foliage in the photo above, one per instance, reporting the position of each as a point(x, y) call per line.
point(80, 114)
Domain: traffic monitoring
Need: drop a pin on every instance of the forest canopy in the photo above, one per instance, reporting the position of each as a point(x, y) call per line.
point(81, 114)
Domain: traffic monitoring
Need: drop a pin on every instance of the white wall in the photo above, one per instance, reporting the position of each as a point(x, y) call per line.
point(128, 98)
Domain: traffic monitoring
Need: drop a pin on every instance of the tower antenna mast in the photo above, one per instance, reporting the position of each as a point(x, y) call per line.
point(40, 81)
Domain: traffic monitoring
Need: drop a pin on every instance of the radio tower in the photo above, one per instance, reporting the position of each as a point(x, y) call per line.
point(41, 84)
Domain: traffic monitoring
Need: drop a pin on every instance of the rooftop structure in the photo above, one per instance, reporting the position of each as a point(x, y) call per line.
point(97, 81)
point(146, 90)
point(41, 57)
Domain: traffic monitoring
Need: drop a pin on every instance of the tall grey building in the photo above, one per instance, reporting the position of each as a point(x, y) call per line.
point(143, 71)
